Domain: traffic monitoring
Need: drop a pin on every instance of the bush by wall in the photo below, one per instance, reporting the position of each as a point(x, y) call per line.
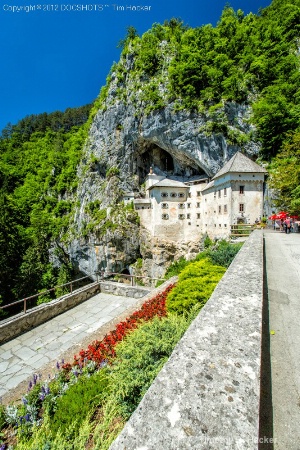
point(195, 285)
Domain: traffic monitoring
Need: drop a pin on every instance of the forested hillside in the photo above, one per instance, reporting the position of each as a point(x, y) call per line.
point(252, 59)
point(38, 163)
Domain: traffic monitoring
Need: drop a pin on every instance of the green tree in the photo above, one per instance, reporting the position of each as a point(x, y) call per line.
point(285, 174)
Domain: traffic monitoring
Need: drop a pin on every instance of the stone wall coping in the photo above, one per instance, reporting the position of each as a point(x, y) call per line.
point(20, 323)
point(207, 395)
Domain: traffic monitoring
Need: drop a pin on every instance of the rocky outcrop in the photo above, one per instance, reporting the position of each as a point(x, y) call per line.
point(125, 139)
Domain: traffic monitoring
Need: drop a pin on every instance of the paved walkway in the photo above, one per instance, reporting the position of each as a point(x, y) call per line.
point(32, 351)
point(20, 358)
point(283, 283)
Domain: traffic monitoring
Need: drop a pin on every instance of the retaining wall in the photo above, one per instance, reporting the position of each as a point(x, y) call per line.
point(124, 289)
point(10, 328)
point(208, 393)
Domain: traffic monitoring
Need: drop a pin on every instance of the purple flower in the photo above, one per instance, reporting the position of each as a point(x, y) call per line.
point(24, 400)
point(35, 377)
point(103, 363)
point(27, 417)
point(3, 447)
point(29, 385)
point(57, 365)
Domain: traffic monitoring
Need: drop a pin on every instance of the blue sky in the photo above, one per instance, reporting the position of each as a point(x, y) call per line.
point(52, 60)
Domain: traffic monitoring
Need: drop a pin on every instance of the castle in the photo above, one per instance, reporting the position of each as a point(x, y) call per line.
point(184, 210)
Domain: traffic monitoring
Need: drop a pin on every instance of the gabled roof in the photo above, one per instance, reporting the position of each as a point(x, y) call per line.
point(240, 163)
point(166, 182)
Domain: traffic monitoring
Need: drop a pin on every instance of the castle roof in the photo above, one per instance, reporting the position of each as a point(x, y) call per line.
point(240, 163)
point(167, 182)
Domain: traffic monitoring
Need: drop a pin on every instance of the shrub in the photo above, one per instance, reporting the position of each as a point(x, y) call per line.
point(224, 254)
point(79, 401)
point(140, 357)
point(2, 417)
point(195, 286)
point(176, 267)
point(113, 171)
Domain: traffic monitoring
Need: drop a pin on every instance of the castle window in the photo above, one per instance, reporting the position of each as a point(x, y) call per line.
point(190, 194)
point(198, 193)
point(165, 216)
point(188, 205)
point(219, 193)
point(225, 209)
point(215, 194)
point(181, 216)
point(242, 189)
point(225, 225)
point(181, 205)
point(198, 215)
point(173, 194)
point(220, 225)
point(199, 204)
point(220, 209)
point(188, 216)
point(164, 194)
point(225, 192)
point(164, 205)
point(181, 194)
point(242, 207)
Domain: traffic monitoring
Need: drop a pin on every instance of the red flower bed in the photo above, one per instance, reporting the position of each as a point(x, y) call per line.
point(101, 351)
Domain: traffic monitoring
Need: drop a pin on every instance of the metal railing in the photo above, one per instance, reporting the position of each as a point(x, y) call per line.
point(241, 229)
point(101, 276)
point(132, 278)
point(35, 296)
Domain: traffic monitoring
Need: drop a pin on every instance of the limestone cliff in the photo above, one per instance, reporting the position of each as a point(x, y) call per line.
point(131, 131)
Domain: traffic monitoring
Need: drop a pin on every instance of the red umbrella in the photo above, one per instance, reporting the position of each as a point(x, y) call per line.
point(273, 217)
point(282, 215)
point(294, 217)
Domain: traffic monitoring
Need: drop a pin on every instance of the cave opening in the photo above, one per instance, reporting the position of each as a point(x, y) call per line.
point(164, 163)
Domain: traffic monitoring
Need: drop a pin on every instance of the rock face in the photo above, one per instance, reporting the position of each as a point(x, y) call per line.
point(124, 141)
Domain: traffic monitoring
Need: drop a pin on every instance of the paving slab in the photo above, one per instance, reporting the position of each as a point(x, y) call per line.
point(283, 284)
point(30, 352)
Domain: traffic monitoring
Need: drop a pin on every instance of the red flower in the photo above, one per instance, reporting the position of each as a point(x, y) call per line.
point(100, 351)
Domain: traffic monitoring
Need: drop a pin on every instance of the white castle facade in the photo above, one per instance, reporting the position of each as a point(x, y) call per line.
point(176, 210)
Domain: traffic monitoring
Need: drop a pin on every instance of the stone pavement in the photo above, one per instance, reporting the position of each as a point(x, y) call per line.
point(27, 354)
point(283, 288)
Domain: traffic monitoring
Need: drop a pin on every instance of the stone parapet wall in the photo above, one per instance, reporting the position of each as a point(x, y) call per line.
point(208, 393)
point(111, 287)
point(20, 323)
point(10, 328)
